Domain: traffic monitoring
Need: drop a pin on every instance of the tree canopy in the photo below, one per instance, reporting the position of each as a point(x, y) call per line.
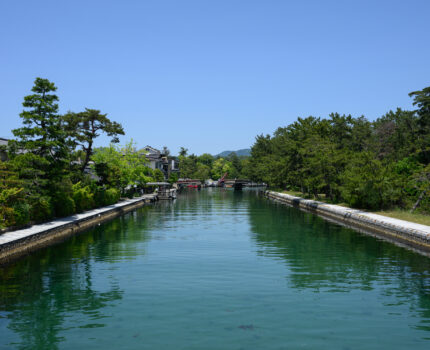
point(370, 165)
point(47, 174)
point(86, 126)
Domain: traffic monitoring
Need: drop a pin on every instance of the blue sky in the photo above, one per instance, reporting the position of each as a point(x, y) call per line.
point(211, 75)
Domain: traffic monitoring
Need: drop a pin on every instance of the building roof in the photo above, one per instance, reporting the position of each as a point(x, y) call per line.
point(151, 156)
point(152, 150)
point(158, 184)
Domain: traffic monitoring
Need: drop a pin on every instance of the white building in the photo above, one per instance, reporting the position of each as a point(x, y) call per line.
point(158, 160)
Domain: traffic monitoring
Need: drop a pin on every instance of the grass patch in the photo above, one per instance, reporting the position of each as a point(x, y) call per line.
point(294, 193)
point(406, 215)
point(322, 197)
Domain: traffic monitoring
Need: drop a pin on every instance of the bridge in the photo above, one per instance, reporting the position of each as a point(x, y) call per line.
point(237, 184)
point(182, 183)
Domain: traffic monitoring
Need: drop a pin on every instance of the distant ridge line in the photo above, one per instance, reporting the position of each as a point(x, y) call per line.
point(244, 152)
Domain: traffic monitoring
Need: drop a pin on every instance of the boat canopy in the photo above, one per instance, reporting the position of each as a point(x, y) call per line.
point(158, 183)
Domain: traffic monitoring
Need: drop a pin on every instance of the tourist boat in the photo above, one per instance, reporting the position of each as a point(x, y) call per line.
point(164, 190)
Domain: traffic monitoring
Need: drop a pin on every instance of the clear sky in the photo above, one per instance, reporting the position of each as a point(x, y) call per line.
point(211, 75)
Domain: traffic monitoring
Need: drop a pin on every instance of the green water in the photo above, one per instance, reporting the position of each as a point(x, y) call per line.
point(217, 270)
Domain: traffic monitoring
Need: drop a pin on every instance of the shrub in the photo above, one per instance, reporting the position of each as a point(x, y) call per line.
point(99, 197)
point(61, 193)
point(63, 204)
point(158, 175)
point(9, 198)
point(41, 209)
point(173, 177)
point(369, 184)
point(21, 213)
point(83, 198)
point(105, 197)
point(7, 216)
point(129, 193)
point(112, 196)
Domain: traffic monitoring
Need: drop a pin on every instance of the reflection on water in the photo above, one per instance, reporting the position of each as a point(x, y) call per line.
point(324, 257)
point(217, 269)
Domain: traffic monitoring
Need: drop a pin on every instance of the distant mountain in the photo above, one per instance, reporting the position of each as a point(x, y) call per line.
point(245, 152)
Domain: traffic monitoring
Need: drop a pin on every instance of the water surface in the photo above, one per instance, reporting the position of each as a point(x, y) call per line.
point(217, 270)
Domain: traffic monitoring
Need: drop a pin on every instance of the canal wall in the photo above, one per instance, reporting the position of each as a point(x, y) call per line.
point(398, 231)
point(18, 243)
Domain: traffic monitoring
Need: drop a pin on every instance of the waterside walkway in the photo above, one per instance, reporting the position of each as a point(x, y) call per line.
point(20, 242)
point(399, 231)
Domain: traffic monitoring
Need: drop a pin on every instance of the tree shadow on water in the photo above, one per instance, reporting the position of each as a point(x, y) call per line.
point(44, 294)
point(323, 256)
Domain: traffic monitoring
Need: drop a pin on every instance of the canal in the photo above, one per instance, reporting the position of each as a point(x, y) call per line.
point(217, 269)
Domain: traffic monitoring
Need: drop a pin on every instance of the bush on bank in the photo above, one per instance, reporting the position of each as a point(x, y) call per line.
point(369, 165)
point(53, 170)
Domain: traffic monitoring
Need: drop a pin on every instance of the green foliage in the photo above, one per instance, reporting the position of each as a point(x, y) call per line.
point(83, 197)
point(206, 159)
point(369, 165)
point(173, 178)
point(206, 166)
point(158, 175)
point(41, 209)
point(187, 166)
point(368, 183)
point(203, 172)
point(112, 196)
point(7, 216)
point(183, 152)
point(236, 165)
point(422, 101)
point(121, 167)
point(10, 207)
point(100, 196)
point(21, 211)
point(105, 197)
point(14, 211)
point(375, 165)
point(62, 201)
point(85, 127)
point(43, 134)
point(45, 177)
point(63, 205)
point(31, 169)
point(222, 166)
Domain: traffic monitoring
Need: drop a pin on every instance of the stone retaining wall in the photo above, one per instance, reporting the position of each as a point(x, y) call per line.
point(407, 233)
point(21, 242)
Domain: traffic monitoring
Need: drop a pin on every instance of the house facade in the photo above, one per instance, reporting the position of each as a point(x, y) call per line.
point(3, 146)
point(158, 160)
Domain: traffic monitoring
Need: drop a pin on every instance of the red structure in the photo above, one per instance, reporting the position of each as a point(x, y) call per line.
point(221, 181)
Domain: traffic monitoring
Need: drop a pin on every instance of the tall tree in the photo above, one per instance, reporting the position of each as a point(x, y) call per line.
point(183, 152)
point(42, 133)
point(422, 101)
point(86, 126)
point(236, 165)
point(206, 159)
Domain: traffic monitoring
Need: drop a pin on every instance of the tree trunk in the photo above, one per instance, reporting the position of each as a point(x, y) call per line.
point(87, 157)
point(420, 198)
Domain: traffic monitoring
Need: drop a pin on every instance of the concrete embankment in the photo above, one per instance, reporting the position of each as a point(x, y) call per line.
point(398, 231)
point(21, 242)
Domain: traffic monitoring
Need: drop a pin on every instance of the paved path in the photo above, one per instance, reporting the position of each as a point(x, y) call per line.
point(12, 236)
point(410, 231)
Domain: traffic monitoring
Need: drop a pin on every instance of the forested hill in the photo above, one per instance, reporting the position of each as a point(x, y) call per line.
point(369, 165)
point(245, 152)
